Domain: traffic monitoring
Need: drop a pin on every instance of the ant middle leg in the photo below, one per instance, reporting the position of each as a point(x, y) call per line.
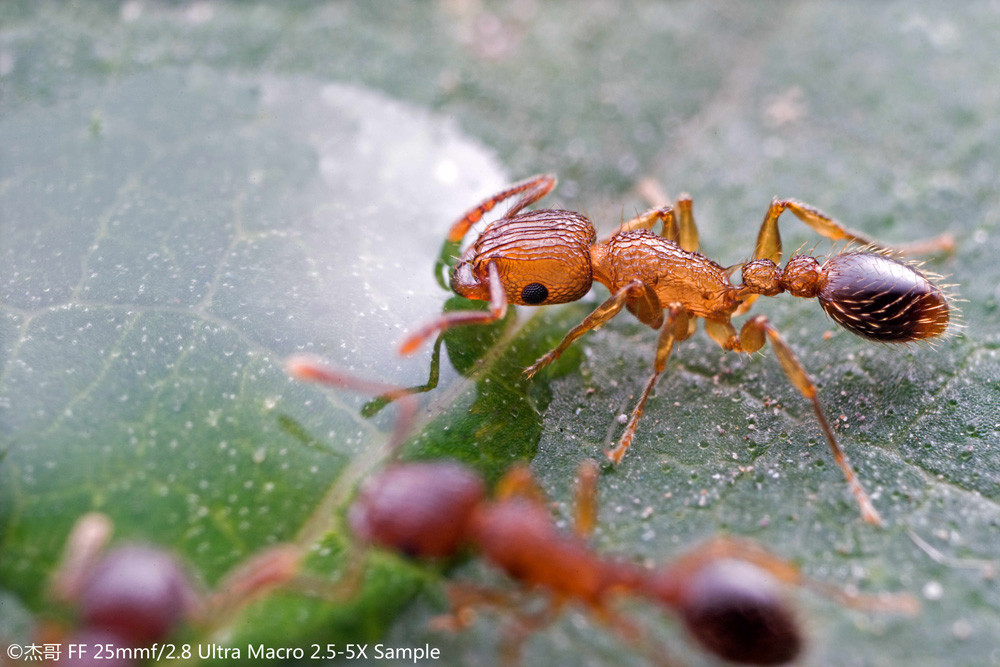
point(648, 220)
point(755, 332)
point(519, 482)
point(674, 328)
point(678, 223)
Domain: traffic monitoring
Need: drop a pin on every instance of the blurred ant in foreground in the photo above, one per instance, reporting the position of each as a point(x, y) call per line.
point(127, 599)
point(727, 592)
point(552, 256)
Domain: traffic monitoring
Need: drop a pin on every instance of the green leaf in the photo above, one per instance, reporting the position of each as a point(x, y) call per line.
point(191, 193)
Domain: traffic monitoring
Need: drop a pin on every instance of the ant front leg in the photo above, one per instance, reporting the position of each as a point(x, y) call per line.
point(751, 338)
point(374, 406)
point(498, 308)
point(637, 291)
point(310, 369)
point(674, 328)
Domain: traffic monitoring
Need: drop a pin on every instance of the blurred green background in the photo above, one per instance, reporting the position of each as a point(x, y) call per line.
point(190, 192)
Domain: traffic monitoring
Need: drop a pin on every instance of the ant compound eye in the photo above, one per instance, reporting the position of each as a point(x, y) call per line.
point(735, 610)
point(534, 294)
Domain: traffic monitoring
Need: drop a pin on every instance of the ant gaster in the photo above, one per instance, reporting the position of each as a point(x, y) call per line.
point(553, 256)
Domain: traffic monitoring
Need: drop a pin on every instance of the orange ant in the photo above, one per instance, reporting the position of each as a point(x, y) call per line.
point(131, 596)
point(553, 256)
point(726, 592)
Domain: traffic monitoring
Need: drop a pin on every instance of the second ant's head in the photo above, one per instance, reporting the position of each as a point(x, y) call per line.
point(420, 510)
point(542, 257)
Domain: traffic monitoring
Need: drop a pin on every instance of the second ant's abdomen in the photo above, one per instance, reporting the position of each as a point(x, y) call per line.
point(882, 299)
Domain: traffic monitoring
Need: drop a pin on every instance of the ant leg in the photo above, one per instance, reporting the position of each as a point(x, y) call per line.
point(518, 482)
point(687, 234)
point(84, 546)
point(636, 289)
point(586, 498)
point(674, 328)
point(498, 308)
point(833, 230)
point(648, 220)
point(769, 241)
point(533, 189)
point(752, 336)
point(689, 231)
point(769, 238)
point(274, 567)
point(678, 224)
point(374, 406)
point(313, 370)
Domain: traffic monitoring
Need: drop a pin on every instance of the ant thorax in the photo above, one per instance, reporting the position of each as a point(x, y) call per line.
point(675, 274)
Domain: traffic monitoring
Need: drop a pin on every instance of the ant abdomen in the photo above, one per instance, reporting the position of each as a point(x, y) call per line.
point(880, 298)
point(736, 610)
point(418, 509)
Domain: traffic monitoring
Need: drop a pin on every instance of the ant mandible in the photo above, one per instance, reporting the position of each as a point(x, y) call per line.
point(553, 256)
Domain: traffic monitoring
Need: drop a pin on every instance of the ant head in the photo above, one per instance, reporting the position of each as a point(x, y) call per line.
point(735, 610)
point(418, 509)
point(139, 592)
point(542, 257)
point(880, 298)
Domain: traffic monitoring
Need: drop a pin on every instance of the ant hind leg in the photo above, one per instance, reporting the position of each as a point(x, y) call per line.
point(755, 332)
point(769, 240)
point(586, 498)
